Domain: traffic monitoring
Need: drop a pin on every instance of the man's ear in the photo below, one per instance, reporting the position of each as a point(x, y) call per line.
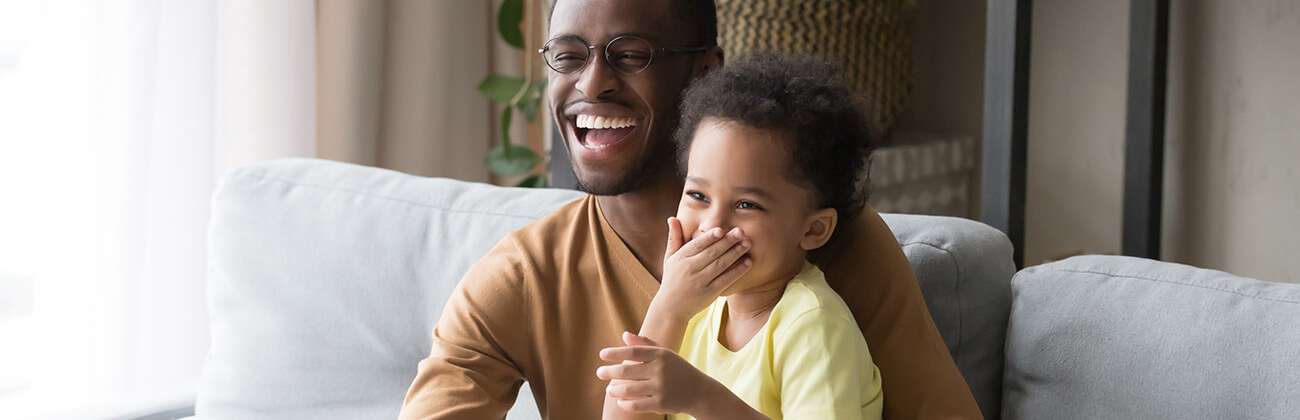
point(708, 61)
point(818, 229)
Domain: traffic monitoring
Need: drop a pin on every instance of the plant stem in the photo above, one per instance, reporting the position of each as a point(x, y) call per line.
point(528, 56)
point(528, 70)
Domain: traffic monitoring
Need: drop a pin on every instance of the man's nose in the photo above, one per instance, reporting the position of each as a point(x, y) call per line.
point(597, 80)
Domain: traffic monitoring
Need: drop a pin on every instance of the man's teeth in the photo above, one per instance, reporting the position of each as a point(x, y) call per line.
point(598, 123)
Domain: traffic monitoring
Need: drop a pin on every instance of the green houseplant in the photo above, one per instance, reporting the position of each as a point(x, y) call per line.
point(522, 94)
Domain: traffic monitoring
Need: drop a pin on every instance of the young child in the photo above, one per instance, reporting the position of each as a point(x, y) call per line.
point(773, 149)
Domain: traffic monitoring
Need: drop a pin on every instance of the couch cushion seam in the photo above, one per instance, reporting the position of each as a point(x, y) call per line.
point(1199, 286)
point(957, 286)
point(384, 197)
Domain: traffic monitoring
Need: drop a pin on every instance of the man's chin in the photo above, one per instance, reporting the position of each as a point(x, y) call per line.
point(616, 178)
point(607, 185)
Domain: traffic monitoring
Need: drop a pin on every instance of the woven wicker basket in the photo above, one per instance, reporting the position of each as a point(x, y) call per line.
point(867, 39)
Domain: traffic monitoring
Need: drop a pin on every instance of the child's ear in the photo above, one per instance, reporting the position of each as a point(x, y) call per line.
point(818, 229)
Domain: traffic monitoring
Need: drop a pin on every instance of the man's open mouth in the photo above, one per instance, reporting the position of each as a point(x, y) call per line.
point(597, 132)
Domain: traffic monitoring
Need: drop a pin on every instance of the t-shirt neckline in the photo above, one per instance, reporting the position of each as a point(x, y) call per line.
point(623, 255)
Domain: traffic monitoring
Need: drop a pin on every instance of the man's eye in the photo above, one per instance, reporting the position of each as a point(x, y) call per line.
point(631, 57)
point(746, 205)
point(569, 57)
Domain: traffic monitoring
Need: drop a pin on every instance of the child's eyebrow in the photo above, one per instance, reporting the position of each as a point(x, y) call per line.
point(755, 191)
point(697, 180)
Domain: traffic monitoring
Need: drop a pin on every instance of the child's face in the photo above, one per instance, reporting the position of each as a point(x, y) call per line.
point(739, 176)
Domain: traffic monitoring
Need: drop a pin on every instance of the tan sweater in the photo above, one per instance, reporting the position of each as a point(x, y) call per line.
point(549, 296)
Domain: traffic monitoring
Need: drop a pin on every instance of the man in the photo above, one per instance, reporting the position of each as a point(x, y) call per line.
point(548, 297)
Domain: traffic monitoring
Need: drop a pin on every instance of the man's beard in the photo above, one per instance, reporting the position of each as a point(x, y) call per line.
point(657, 164)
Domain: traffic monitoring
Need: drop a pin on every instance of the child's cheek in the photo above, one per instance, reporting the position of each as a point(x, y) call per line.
point(689, 223)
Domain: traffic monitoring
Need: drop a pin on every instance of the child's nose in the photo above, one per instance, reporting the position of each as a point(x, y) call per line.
point(714, 220)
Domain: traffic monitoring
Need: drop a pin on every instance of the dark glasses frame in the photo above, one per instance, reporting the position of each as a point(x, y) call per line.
point(654, 51)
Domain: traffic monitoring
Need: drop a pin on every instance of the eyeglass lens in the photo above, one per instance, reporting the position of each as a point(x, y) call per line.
point(626, 54)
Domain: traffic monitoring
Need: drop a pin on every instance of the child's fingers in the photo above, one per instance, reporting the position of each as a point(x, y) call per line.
point(675, 236)
point(725, 261)
point(729, 277)
point(641, 405)
point(637, 372)
point(700, 242)
point(716, 249)
point(631, 389)
point(630, 353)
point(636, 340)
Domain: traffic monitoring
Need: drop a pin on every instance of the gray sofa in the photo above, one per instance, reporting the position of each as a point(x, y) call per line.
point(326, 278)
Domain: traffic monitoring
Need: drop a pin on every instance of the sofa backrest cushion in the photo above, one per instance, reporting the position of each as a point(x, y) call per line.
point(325, 280)
point(1120, 337)
point(964, 269)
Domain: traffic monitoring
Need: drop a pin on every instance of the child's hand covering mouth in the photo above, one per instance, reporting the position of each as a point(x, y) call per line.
point(698, 271)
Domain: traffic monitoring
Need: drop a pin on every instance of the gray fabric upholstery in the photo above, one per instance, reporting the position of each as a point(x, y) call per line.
point(325, 280)
point(1126, 338)
point(963, 269)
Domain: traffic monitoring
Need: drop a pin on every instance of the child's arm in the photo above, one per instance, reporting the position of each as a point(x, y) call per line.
point(660, 381)
point(695, 273)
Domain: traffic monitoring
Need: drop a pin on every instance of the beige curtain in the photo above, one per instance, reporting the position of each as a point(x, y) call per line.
point(396, 84)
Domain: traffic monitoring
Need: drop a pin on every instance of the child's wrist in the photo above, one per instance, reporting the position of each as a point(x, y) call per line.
point(662, 311)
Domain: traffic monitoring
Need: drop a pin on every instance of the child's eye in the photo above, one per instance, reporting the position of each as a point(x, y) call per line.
point(748, 205)
point(696, 195)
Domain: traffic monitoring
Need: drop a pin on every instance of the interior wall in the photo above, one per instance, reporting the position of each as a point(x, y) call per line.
point(1233, 173)
point(947, 69)
point(1077, 87)
point(947, 94)
point(1232, 193)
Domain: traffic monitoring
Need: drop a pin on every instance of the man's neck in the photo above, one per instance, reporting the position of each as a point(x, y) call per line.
point(640, 218)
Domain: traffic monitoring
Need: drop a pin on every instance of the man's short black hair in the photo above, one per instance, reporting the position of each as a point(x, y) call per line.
point(702, 15)
point(803, 98)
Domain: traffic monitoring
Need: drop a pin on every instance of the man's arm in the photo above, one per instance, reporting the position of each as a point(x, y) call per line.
point(872, 275)
point(472, 370)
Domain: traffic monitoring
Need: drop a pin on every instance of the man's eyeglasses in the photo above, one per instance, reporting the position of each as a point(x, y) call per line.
point(627, 54)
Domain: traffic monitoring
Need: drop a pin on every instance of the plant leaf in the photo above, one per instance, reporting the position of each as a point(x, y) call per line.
point(512, 160)
point(509, 18)
point(535, 181)
point(532, 100)
point(500, 88)
point(508, 159)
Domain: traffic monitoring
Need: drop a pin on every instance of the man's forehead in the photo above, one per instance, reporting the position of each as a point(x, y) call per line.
point(602, 20)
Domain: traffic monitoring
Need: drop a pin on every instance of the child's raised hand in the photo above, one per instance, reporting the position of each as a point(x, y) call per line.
point(647, 377)
point(697, 272)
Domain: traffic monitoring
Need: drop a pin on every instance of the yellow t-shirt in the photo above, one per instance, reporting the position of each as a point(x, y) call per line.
point(809, 361)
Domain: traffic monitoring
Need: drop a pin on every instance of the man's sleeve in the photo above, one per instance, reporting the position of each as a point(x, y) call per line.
point(825, 371)
point(872, 275)
point(472, 371)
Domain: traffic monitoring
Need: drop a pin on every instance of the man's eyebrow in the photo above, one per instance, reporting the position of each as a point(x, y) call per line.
point(569, 36)
point(635, 34)
point(584, 40)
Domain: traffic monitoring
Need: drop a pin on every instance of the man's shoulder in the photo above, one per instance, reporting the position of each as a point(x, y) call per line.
point(531, 249)
point(573, 218)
